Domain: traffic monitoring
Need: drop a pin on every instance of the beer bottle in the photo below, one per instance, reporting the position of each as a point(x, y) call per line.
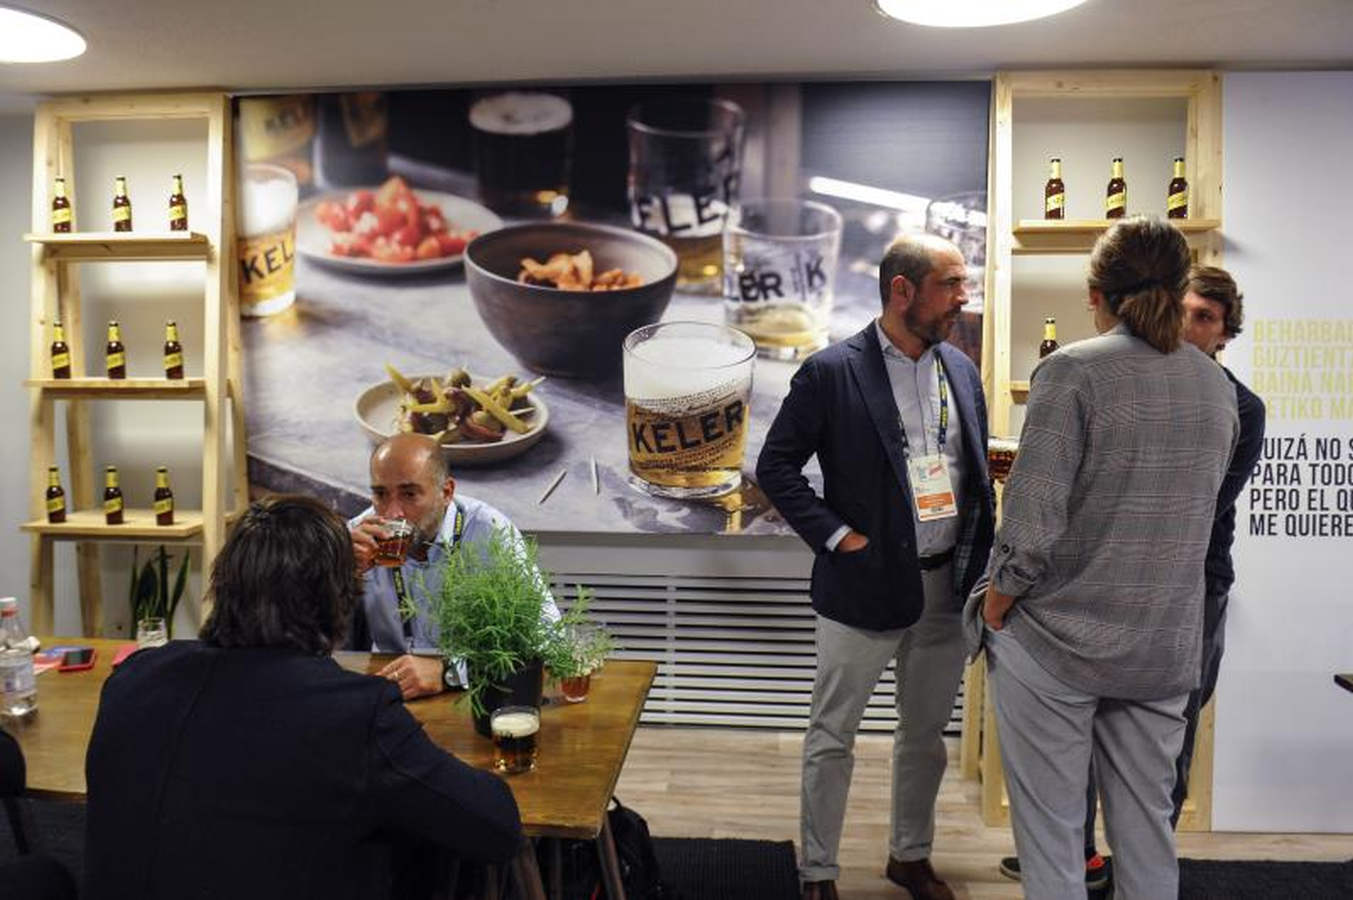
point(61, 212)
point(1054, 193)
point(1049, 337)
point(164, 498)
point(114, 352)
point(173, 351)
point(56, 496)
point(1177, 201)
point(178, 207)
point(112, 497)
point(122, 206)
point(1115, 198)
point(60, 351)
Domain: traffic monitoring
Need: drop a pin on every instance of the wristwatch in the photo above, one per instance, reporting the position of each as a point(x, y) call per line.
point(450, 677)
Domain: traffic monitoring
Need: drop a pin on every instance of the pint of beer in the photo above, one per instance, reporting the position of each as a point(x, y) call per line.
point(514, 730)
point(523, 151)
point(687, 388)
point(266, 242)
point(1001, 456)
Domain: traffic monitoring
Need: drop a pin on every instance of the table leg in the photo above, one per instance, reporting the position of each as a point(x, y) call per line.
point(610, 862)
point(527, 872)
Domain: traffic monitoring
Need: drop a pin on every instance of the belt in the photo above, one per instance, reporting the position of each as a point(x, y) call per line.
point(935, 560)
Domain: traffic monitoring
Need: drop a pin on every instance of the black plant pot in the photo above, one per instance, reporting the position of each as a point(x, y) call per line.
point(524, 687)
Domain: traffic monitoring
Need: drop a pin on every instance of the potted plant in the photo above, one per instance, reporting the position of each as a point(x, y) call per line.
point(581, 648)
point(150, 595)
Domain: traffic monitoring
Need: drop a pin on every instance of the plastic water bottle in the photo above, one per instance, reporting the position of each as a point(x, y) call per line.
point(18, 686)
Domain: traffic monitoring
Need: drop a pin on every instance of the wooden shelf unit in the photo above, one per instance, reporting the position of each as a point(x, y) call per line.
point(55, 294)
point(1079, 235)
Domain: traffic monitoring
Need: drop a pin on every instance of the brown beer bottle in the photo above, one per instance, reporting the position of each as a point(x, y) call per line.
point(1115, 197)
point(115, 353)
point(112, 497)
point(164, 498)
point(173, 351)
point(56, 496)
point(178, 207)
point(1177, 199)
point(1054, 192)
point(1049, 337)
point(61, 211)
point(60, 351)
point(122, 206)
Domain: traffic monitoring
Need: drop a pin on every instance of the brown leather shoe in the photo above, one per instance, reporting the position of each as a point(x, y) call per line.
point(918, 878)
point(819, 890)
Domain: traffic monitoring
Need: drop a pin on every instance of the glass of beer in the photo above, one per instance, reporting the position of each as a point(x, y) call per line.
point(687, 386)
point(393, 548)
point(523, 152)
point(778, 269)
point(685, 164)
point(514, 730)
point(266, 243)
point(1001, 456)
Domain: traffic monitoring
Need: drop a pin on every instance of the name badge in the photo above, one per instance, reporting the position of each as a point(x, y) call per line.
point(931, 488)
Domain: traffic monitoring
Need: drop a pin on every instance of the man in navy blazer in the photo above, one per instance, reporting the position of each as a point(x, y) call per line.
point(901, 532)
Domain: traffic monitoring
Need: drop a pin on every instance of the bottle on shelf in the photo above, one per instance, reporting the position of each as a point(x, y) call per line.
point(55, 496)
point(122, 205)
point(164, 498)
point(178, 207)
point(1054, 192)
point(18, 686)
point(60, 354)
point(1115, 196)
point(1177, 196)
point(61, 211)
point(1049, 344)
point(173, 351)
point(115, 354)
point(112, 497)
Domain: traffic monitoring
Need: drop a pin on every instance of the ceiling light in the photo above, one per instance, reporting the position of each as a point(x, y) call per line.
point(971, 13)
point(27, 37)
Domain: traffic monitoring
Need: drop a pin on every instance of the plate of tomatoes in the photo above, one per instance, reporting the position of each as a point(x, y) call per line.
point(389, 229)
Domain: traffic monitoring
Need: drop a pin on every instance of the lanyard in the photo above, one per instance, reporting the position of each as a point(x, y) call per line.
point(942, 429)
point(403, 606)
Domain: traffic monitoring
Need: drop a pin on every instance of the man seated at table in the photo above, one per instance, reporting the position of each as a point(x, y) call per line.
point(410, 481)
point(250, 764)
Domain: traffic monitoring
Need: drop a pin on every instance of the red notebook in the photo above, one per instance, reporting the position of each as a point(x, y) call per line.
point(123, 652)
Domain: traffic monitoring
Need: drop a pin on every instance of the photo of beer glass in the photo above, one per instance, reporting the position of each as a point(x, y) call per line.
point(523, 152)
point(1001, 456)
point(685, 165)
point(266, 242)
point(393, 548)
point(514, 730)
point(151, 632)
point(687, 386)
point(778, 270)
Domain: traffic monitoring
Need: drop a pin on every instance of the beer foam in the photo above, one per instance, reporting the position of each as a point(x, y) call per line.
point(521, 113)
point(682, 365)
point(267, 203)
point(516, 725)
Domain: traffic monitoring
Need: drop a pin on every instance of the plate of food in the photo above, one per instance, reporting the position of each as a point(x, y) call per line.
point(390, 229)
point(477, 420)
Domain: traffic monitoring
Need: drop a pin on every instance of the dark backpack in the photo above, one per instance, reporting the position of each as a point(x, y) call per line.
point(633, 848)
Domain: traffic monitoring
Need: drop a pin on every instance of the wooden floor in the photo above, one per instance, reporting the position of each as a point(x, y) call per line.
point(742, 783)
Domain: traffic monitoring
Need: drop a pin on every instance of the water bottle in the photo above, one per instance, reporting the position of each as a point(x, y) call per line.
point(18, 687)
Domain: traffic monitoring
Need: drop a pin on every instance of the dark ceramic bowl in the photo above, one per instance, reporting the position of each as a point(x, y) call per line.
point(576, 334)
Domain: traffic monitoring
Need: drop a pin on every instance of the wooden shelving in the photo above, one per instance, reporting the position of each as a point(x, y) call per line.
point(90, 246)
point(1019, 391)
point(1079, 235)
point(120, 389)
point(138, 525)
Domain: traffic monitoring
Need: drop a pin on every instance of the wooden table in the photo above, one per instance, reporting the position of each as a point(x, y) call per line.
point(582, 748)
point(1344, 680)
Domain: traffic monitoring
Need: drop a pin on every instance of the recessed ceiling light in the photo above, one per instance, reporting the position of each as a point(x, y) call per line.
point(27, 37)
point(971, 13)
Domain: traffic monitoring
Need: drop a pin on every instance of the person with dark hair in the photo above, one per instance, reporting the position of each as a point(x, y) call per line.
point(898, 422)
point(1093, 614)
point(250, 764)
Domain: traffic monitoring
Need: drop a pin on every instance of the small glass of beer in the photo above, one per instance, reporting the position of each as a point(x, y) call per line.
point(687, 388)
point(393, 548)
point(514, 730)
point(1001, 456)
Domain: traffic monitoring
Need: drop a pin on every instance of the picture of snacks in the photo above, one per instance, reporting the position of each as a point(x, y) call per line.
point(575, 272)
point(453, 410)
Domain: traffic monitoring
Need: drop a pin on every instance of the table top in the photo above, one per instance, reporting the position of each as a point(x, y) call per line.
point(582, 745)
point(1344, 680)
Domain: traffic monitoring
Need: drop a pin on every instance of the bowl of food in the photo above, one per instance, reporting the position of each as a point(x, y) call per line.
point(561, 296)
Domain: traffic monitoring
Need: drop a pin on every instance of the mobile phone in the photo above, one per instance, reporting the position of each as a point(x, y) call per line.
point(76, 659)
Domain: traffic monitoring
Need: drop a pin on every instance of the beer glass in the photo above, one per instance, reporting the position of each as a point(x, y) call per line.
point(687, 386)
point(151, 632)
point(393, 548)
point(266, 243)
point(685, 163)
point(523, 152)
point(1001, 456)
point(778, 270)
point(514, 730)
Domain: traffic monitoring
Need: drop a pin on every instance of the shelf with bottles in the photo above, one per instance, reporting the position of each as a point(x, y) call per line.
point(95, 246)
point(137, 524)
point(120, 388)
point(1079, 235)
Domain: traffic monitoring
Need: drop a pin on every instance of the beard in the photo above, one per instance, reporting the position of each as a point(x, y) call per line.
point(929, 328)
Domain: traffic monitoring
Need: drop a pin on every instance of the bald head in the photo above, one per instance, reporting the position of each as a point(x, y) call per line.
point(912, 256)
point(409, 480)
point(416, 449)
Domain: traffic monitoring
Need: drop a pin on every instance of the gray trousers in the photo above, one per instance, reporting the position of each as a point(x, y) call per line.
point(850, 661)
point(1049, 734)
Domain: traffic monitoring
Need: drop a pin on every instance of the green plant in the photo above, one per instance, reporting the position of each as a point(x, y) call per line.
point(150, 594)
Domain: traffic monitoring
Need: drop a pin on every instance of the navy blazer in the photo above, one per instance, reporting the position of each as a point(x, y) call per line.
point(840, 406)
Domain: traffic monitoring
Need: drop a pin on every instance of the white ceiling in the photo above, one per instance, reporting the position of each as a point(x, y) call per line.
point(277, 44)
